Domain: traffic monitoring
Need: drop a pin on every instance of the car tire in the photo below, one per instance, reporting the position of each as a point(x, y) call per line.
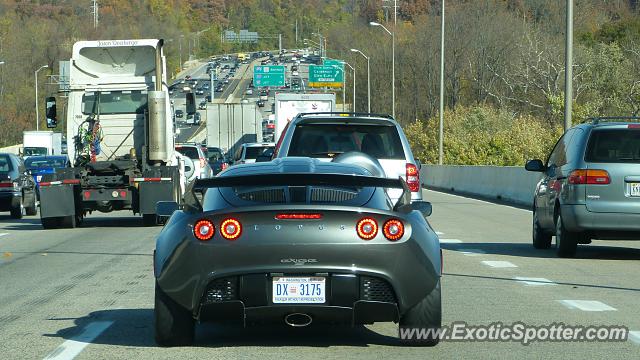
point(33, 209)
point(541, 239)
point(566, 241)
point(50, 223)
point(426, 314)
point(149, 219)
point(17, 212)
point(174, 325)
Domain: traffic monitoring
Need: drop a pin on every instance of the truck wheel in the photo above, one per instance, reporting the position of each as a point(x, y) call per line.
point(174, 324)
point(69, 221)
point(149, 219)
point(566, 241)
point(424, 316)
point(50, 223)
point(541, 239)
point(17, 212)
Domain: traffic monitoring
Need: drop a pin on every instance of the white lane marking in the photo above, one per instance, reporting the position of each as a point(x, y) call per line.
point(635, 336)
point(500, 264)
point(533, 281)
point(587, 305)
point(74, 346)
point(3, 234)
point(480, 201)
point(450, 241)
point(439, 233)
point(472, 252)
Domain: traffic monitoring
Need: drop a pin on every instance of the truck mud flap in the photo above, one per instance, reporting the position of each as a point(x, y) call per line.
point(57, 200)
point(152, 192)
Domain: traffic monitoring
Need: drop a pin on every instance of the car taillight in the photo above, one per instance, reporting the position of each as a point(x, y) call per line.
point(589, 176)
point(367, 228)
point(393, 229)
point(204, 230)
point(203, 162)
point(6, 184)
point(224, 166)
point(413, 178)
point(633, 126)
point(299, 216)
point(230, 229)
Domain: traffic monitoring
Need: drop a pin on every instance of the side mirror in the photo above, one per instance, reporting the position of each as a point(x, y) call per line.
point(166, 208)
point(52, 118)
point(535, 165)
point(423, 206)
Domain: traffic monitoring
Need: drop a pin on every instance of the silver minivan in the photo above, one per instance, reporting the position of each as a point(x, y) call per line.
point(590, 187)
point(325, 135)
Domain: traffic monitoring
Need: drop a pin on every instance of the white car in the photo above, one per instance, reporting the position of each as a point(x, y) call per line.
point(201, 167)
point(250, 152)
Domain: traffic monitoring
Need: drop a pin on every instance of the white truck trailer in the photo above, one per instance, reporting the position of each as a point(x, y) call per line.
point(41, 143)
point(288, 105)
point(120, 132)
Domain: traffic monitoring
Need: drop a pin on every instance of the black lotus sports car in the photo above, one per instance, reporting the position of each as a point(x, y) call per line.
point(296, 241)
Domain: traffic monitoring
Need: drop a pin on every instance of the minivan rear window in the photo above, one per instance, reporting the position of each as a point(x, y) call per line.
point(190, 152)
point(328, 140)
point(614, 146)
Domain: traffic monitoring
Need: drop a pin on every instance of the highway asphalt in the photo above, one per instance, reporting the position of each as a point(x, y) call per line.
point(87, 293)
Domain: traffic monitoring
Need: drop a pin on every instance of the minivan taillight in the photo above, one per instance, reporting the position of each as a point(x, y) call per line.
point(413, 178)
point(203, 163)
point(589, 176)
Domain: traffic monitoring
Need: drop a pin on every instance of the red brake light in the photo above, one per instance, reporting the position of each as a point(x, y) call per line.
point(393, 229)
point(6, 184)
point(224, 166)
point(230, 229)
point(633, 126)
point(298, 216)
point(203, 162)
point(367, 228)
point(413, 178)
point(589, 176)
point(203, 230)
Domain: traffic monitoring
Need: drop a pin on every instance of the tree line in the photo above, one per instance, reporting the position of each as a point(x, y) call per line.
point(504, 59)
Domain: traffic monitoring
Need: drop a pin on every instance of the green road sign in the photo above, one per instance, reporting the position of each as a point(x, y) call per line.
point(325, 75)
point(270, 75)
point(332, 62)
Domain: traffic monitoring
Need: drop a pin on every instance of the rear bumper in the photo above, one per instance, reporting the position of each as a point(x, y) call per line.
point(578, 218)
point(9, 200)
point(350, 299)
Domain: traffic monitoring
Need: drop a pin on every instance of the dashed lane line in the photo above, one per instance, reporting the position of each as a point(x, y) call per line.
point(634, 336)
point(450, 241)
point(472, 252)
point(586, 305)
point(533, 281)
point(439, 233)
point(500, 264)
point(3, 234)
point(74, 346)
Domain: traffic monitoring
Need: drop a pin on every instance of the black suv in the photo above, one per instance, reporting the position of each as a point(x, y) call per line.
point(17, 188)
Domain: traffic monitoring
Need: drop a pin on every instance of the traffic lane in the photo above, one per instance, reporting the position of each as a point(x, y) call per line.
point(489, 242)
point(58, 276)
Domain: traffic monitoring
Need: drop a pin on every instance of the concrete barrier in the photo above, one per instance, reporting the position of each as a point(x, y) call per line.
point(506, 183)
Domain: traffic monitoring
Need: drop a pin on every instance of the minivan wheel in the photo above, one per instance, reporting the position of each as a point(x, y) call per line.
point(566, 241)
point(541, 239)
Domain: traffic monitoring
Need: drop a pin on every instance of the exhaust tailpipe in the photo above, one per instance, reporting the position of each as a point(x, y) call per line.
point(298, 320)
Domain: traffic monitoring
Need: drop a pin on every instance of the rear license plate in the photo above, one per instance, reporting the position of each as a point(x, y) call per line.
point(634, 189)
point(298, 290)
point(38, 178)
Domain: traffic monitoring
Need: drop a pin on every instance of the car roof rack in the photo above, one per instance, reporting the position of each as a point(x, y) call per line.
point(342, 113)
point(602, 119)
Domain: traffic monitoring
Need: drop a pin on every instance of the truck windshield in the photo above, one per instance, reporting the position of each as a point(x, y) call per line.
point(35, 151)
point(114, 102)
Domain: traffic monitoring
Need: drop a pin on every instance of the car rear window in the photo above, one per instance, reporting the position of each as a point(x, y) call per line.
point(5, 163)
point(328, 140)
point(252, 152)
point(614, 146)
point(190, 152)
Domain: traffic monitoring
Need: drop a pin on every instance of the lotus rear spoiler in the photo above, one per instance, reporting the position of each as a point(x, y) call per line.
point(296, 179)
